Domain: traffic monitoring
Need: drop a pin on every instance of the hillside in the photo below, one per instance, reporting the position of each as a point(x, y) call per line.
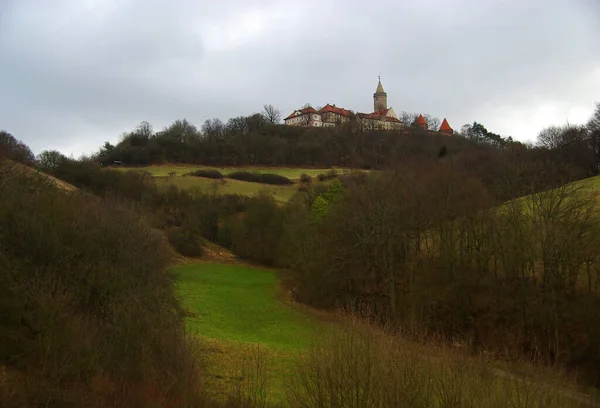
point(12, 169)
point(181, 176)
point(253, 332)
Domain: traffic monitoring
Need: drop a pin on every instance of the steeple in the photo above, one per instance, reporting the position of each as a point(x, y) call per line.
point(379, 97)
point(379, 86)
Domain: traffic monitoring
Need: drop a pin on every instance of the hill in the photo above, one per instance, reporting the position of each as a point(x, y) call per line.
point(264, 348)
point(90, 313)
point(15, 170)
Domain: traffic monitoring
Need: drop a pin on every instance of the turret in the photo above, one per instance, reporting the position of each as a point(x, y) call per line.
point(445, 128)
point(421, 123)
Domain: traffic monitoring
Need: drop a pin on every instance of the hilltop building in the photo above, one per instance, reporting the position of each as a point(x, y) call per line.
point(382, 117)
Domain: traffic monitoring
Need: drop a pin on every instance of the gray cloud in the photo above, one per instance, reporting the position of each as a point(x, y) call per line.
point(74, 73)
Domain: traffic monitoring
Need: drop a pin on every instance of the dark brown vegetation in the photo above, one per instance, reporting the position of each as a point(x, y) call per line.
point(89, 312)
point(264, 178)
point(207, 173)
point(366, 367)
point(252, 141)
point(422, 247)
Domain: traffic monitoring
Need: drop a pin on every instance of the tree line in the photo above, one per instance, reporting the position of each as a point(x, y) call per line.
point(259, 139)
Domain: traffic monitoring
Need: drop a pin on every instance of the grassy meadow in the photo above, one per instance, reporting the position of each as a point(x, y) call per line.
point(179, 170)
point(177, 175)
point(235, 309)
point(251, 336)
point(228, 186)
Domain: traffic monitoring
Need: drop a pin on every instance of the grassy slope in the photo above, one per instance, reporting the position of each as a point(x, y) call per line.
point(228, 186)
point(592, 183)
point(20, 169)
point(164, 170)
point(234, 308)
point(239, 303)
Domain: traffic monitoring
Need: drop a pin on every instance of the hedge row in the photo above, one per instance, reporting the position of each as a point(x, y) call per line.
point(264, 178)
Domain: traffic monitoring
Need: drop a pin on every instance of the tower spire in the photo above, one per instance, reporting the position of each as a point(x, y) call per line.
point(379, 86)
point(379, 97)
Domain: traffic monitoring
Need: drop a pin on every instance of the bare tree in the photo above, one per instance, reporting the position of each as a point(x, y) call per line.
point(144, 129)
point(433, 123)
point(271, 114)
point(213, 128)
point(550, 137)
point(237, 124)
point(407, 118)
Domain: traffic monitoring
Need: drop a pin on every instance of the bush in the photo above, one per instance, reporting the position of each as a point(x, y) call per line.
point(207, 173)
point(245, 176)
point(362, 366)
point(265, 178)
point(305, 178)
point(186, 240)
point(275, 179)
point(331, 174)
point(89, 311)
point(256, 236)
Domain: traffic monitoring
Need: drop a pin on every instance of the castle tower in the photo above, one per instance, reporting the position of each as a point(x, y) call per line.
point(379, 98)
point(445, 128)
point(421, 123)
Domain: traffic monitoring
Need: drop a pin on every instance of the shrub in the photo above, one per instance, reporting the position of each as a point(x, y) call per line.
point(186, 240)
point(331, 174)
point(245, 176)
point(207, 173)
point(275, 179)
point(89, 308)
point(257, 235)
point(305, 178)
point(265, 178)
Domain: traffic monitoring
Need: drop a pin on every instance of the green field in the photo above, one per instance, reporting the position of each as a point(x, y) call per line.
point(240, 304)
point(228, 186)
point(176, 175)
point(179, 170)
point(234, 308)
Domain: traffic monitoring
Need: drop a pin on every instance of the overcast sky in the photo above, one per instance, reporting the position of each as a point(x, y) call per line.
point(75, 73)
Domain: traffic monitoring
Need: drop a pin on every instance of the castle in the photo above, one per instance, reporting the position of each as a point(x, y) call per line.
point(382, 117)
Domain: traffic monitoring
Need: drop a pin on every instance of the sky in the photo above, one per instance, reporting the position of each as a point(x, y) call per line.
point(77, 73)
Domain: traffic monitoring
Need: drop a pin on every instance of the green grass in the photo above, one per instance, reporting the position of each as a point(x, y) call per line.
point(234, 309)
point(593, 183)
point(280, 193)
point(179, 170)
point(240, 304)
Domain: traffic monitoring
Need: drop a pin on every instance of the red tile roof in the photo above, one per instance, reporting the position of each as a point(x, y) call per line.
point(421, 120)
point(333, 109)
point(304, 111)
point(445, 125)
point(381, 112)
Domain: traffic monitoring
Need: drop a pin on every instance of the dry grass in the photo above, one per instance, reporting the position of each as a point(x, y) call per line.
point(361, 366)
point(18, 170)
point(345, 361)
